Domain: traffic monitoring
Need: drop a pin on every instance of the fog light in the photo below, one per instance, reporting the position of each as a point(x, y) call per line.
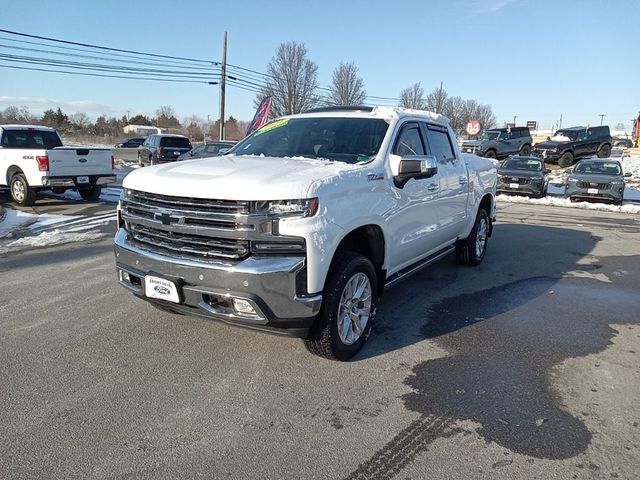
point(243, 306)
point(45, 180)
point(124, 276)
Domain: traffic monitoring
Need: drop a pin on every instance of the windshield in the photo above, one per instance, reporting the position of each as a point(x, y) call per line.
point(349, 140)
point(570, 134)
point(489, 135)
point(599, 168)
point(529, 164)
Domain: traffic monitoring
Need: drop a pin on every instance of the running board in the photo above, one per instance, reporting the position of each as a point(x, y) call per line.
point(397, 277)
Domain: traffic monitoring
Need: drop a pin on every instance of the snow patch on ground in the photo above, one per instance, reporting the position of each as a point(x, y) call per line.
point(45, 239)
point(565, 202)
point(14, 219)
point(108, 195)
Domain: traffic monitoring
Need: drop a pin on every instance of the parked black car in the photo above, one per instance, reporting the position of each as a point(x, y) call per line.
point(623, 142)
point(523, 175)
point(570, 144)
point(500, 143)
point(211, 149)
point(131, 142)
point(162, 148)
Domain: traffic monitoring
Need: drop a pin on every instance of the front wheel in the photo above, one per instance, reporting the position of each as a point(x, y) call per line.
point(566, 160)
point(91, 194)
point(471, 250)
point(349, 304)
point(604, 152)
point(21, 192)
point(525, 150)
point(490, 154)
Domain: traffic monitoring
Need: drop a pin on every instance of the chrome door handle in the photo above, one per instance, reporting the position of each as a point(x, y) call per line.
point(462, 180)
point(432, 187)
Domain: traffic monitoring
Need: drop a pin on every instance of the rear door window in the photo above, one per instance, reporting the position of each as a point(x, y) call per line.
point(440, 143)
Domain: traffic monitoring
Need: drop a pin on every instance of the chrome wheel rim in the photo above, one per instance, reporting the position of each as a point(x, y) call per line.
point(481, 237)
point(18, 191)
point(355, 308)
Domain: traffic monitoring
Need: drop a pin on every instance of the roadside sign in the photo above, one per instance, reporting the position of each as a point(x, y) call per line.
point(532, 125)
point(473, 127)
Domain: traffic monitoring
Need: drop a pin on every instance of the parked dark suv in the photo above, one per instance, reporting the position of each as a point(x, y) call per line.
point(162, 148)
point(570, 144)
point(500, 143)
point(524, 176)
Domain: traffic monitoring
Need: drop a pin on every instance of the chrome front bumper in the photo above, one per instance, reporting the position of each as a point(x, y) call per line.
point(270, 284)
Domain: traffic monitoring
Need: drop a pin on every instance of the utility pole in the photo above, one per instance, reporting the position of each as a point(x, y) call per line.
point(514, 120)
point(222, 85)
point(602, 115)
point(560, 123)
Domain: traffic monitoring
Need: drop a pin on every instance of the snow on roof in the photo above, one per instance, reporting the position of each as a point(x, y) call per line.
point(14, 126)
point(387, 113)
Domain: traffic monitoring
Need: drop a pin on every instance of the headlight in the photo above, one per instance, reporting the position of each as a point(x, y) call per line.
point(617, 182)
point(572, 180)
point(307, 207)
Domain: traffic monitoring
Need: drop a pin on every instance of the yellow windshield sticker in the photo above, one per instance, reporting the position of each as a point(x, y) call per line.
point(272, 125)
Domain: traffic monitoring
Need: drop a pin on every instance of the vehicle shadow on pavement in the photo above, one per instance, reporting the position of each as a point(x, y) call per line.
point(536, 305)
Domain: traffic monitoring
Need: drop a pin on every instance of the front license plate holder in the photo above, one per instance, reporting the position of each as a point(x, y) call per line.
point(593, 191)
point(161, 288)
point(514, 185)
point(82, 179)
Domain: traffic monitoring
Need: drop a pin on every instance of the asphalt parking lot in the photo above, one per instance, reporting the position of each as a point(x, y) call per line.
point(524, 367)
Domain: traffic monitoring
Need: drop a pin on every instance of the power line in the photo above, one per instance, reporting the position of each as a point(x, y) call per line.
point(101, 75)
point(88, 45)
point(94, 57)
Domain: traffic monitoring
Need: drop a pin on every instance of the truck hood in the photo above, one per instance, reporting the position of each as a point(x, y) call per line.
point(233, 177)
point(472, 143)
point(548, 145)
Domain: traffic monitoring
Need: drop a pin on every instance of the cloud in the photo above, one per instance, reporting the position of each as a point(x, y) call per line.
point(485, 6)
point(37, 106)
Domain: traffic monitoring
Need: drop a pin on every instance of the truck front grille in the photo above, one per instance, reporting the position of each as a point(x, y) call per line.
point(599, 186)
point(193, 228)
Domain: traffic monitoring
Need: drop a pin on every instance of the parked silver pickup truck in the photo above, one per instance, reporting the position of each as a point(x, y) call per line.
point(302, 225)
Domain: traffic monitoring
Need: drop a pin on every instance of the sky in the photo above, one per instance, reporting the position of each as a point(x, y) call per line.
point(533, 59)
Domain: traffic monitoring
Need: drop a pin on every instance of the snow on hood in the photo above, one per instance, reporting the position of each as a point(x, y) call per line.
point(233, 177)
point(560, 139)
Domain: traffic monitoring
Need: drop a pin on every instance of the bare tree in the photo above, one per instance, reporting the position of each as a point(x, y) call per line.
point(292, 81)
point(437, 99)
point(166, 117)
point(454, 111)
point(347, 88)
point(412, 97)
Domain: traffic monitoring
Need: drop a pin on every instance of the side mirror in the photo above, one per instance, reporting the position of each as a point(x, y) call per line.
point(628, 174)
point(548, 137)
point(222, 151)
point(415, 167)
point(546, 170)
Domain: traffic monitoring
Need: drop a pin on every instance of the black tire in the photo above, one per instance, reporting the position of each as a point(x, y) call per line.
point(605, 151)
point(90, 194)
point(324, 338)
point(565, 160)
point(469, 251)
point(490, 154)
point(58, 190)
point(525, 150)
point(21, 192)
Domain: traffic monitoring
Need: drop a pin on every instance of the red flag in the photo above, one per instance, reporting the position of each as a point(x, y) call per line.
point(261, 116)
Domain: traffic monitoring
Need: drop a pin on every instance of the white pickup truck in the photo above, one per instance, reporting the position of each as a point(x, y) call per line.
point(32, 158)
point(301, 226)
